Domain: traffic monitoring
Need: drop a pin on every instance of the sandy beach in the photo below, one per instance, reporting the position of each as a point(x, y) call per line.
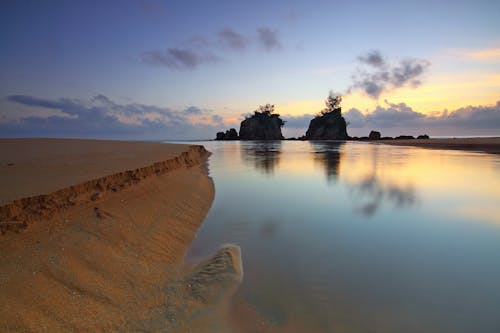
point(486, 145)
point(94, 233)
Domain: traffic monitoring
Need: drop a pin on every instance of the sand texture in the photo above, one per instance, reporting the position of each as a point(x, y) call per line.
point(114, 262)
point(486, 145)
point(39, 177)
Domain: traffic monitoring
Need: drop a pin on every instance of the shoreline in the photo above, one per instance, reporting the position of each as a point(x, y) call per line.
point(106, 262)
point(489, 145)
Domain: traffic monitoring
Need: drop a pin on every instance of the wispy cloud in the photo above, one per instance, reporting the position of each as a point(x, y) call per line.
point(203, 50)
point(373, 58)
point(103, 118)
point(232, 39)
point(268, 39)
point(376, 75)
point(179, 58)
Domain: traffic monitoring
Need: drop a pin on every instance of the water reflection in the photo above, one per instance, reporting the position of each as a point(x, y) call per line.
point(263, 155)
point(328, 154)
point(330, 254)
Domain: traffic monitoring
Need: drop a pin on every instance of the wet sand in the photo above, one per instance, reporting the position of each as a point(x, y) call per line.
point(106, 253)
point(486, 145)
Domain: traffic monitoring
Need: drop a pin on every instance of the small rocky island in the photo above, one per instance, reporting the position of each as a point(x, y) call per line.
point(264, 124)
point(329, 124)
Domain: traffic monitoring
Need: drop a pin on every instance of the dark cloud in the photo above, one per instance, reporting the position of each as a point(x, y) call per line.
point(193, 110)
point(382, 76)
point(471, 116)
point(268, 39)
point(477, 119)
point(201, 50)
point(394, 115)
point(408, 71)
point(373, 58)
point(179, 58)
point(103, 118)
point(232, 39)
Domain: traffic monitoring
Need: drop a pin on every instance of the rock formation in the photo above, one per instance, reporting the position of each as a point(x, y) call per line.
point(230, 134)
point(262, 125)
point(329, 124)
point(374, 135)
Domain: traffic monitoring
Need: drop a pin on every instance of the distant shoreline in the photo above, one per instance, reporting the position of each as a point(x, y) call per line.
point(489, 145)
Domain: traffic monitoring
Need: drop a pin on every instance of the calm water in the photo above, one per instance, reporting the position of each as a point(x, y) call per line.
point(356, 237)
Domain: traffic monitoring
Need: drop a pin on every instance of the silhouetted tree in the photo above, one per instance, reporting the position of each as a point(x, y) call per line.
point(332, 103)
point(264, 124)
point(266, 111)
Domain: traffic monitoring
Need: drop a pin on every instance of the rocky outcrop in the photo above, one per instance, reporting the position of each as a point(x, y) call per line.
point(423, 137)
point(263, 125)
point(328, 126)
point(374, 135)
point(230, 134)
point(17, 214)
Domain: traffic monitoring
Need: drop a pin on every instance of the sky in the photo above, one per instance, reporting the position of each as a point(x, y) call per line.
point(184, 70)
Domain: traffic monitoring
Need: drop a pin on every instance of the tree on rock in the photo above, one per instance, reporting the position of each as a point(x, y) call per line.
point(264, 124)
point(329, 123)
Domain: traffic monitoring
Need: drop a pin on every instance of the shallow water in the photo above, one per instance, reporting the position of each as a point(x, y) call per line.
point(358, 237)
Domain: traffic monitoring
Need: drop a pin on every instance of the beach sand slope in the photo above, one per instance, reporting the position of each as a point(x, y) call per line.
point(111, 263)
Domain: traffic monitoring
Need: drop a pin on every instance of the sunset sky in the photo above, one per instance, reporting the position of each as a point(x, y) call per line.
point(186, 69)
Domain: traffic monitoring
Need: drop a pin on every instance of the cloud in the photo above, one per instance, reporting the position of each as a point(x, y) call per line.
point(393, 115)
point(472, 119)
point(268, 39)
point(297, 121)
point(193, 110)
point(373, 58)
point(103, 118)
point(217, 119)
point(181, 58)
point(355, 118)
point(202, 50)
point(232, 39)
point(382, 76)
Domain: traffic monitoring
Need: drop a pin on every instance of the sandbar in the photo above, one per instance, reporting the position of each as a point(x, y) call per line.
point(104, 246)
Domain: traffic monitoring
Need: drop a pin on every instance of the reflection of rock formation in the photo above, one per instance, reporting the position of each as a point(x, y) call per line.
point(264, 155)
point(370, 194)
point(328, 154)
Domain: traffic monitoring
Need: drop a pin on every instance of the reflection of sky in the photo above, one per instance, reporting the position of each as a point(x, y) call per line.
point(396, 242)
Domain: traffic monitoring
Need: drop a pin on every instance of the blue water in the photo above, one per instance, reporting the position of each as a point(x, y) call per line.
point(359, 237)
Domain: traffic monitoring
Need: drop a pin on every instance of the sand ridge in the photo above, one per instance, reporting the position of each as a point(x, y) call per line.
point(17, 214)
